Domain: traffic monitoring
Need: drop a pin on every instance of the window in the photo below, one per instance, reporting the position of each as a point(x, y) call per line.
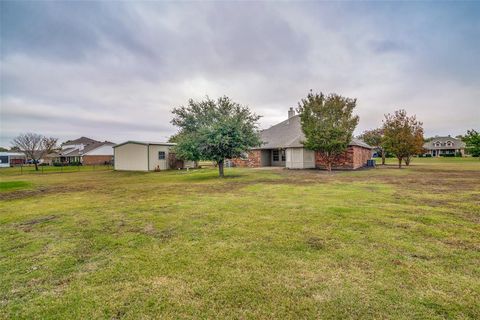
point(161, 155)
point(276, 155)
point(3, 159)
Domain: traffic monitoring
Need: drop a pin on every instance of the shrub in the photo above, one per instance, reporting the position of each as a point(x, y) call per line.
point(60, 164)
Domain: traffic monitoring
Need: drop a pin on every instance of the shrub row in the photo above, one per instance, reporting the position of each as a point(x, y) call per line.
point(60, 164)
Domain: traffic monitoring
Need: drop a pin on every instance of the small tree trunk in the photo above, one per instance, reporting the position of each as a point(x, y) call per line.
point(383, 157)
point(400, 163)
point(329, 165)
point(407, 161)
point(36, 165)
point(220, 168)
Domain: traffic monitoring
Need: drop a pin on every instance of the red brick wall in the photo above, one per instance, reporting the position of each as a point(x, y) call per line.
point(355, 157)
point(253, 161)
point(90, 160)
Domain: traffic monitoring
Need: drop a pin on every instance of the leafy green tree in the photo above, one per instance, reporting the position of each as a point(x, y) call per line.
point(374, 138)
point(2, 149)
point(215, 130)
point(328, 124)
point(403, 136)
point(472, 141)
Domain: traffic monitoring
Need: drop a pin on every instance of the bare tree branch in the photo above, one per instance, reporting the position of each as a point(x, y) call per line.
point(34, 145)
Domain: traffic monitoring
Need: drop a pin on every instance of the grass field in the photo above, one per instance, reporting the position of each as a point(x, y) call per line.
point(30, 169)
point(260, 244)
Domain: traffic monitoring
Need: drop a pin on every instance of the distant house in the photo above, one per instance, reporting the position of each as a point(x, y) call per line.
point(282, 147)
point(147, 156)
point(85, 151)
point(444, 146)
point(10, 159)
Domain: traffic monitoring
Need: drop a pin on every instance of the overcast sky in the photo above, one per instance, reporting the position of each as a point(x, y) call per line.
point(114, 70)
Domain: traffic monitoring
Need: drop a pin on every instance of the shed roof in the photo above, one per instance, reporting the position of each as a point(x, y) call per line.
point(146, 143)
point(289, 134)
point(12, 154)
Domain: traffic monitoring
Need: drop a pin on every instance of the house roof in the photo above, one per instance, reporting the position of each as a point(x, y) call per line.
point(289, 134)
point(71, 152)
point(146, 143)
point(442, 143)
point(81, 140)
point(96, 145)
point(76, 152)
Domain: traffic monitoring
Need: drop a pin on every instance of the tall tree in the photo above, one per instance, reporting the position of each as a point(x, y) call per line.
point(472, 141)
point(35, 146)
point(215, 130)
point(403, 136)
point(417, 144)
point(374, 138)
point(328, 124)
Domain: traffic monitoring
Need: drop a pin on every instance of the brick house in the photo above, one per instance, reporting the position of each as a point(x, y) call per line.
point(282, 147)
point(85, 151)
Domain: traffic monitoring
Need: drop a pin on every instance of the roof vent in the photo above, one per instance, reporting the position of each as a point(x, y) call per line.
point(291, 113)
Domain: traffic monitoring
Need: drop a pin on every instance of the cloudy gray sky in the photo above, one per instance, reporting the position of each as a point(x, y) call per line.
point(114, 70)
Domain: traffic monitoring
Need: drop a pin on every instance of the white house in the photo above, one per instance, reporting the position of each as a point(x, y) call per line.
point(145, 156)
point(444, 146)
point(8, 159)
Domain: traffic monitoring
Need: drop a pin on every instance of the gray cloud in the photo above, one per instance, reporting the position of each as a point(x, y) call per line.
point(115, 70)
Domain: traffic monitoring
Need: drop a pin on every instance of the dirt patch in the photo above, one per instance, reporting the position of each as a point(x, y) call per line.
point(316, 243)
point(27, 225)
point(420, 256)
point(38, 220)
point(462, 244)
point(20, 194)
point(162, 235)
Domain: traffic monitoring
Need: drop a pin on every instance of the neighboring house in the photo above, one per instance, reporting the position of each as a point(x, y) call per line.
point(10, 159)
point(85, 151)
point(444, 146)
point(147, 156)
point(98, 153)
point(282, 147)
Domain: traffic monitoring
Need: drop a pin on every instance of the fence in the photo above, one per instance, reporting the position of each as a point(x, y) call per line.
point(30, 169)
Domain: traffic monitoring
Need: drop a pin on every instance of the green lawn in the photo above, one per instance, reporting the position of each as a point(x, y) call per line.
point(260, 244)
point(30, 169)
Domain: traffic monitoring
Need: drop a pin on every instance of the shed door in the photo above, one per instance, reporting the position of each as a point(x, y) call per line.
point(162, 160)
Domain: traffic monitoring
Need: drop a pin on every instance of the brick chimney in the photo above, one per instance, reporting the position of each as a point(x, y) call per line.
point(291, 113)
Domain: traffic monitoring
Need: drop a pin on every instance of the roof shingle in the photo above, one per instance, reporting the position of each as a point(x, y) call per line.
point(289, 134)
